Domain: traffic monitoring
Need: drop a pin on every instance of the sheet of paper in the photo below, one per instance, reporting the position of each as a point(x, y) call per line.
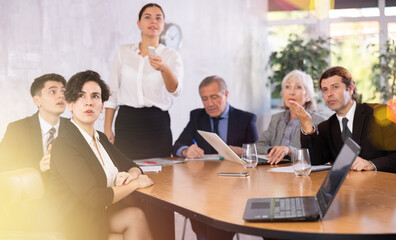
point(289, 169)
point(263, 156)
point(206, 157)
point(153, 168)
point(157, 161)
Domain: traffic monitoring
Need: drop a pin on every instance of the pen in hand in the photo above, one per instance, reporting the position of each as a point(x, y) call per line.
point(193, 151)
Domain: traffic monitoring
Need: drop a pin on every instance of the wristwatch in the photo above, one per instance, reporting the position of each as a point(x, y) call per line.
point(314, 130)
point(375, 167)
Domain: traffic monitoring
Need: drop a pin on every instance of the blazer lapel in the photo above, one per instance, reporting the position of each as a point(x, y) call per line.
point(280, 129)
point(205, 122)
point(91, 158)
point(36, 137)
point(62, 124)
point(232, 127)
point(335, 132)
point(359, 122)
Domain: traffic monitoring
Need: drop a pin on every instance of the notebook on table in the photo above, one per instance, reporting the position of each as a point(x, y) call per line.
point(305, 208)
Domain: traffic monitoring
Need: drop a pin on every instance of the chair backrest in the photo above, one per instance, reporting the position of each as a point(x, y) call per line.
point(20, 193)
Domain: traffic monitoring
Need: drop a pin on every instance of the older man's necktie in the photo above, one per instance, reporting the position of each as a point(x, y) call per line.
point(216, 124)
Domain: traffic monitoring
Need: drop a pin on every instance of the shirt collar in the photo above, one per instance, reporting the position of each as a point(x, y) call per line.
point(87, 137)
point(350, 114)
point(135, 47)
point(45, 126)
point(226, 112)
point(287, 117)
point(158, 50)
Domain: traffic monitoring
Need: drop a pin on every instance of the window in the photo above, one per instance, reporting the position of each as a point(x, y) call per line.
point(356, 43)
point(278, 35)
point(355, 27)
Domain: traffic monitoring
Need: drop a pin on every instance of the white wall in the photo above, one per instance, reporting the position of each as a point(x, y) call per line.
point(42, 36)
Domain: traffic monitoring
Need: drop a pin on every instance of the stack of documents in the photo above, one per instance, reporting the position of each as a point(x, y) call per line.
point(154, 168)
point(206, 157)
point(157, 161)
point(155, 164)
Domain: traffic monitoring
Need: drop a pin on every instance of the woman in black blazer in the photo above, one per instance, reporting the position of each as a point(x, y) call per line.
point(89, 175)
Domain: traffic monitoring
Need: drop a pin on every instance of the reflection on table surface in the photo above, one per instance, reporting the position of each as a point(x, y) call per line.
point(365, 204)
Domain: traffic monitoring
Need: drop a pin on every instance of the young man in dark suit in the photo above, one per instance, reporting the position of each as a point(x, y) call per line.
point(234, 126)
point(351, 119)
point(27, 142)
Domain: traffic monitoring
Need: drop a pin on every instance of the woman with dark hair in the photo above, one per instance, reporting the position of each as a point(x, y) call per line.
point(89, 175)
point(142, 88)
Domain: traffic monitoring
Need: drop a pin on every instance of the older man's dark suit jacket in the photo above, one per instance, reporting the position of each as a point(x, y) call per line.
point(22, 144)
point(241, 129)
point(78, 196)
point(325, 144)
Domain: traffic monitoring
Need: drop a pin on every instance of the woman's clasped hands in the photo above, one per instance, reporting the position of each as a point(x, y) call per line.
point(124, 178)
point(144, 181)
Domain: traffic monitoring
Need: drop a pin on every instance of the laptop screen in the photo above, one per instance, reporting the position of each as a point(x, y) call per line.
point(337, 174)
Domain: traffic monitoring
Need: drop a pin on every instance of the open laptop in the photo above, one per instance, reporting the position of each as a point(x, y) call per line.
point(305, 208)
point(224, 150)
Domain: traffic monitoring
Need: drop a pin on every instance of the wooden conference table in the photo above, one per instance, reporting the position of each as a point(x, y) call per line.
point(365, 207)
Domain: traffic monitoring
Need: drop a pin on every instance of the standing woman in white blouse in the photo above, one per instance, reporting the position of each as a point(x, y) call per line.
point(142, 88)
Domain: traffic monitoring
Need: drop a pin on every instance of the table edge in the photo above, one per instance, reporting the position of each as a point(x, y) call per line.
point(268, 233)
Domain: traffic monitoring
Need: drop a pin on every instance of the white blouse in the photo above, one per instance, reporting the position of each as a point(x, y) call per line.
point(135, 83)
point(104, 159)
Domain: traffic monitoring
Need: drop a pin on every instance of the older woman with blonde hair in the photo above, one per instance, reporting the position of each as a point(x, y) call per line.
point(283, 133)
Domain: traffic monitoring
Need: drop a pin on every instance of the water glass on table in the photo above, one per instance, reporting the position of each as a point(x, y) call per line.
point(301, 162)
point(249, 157)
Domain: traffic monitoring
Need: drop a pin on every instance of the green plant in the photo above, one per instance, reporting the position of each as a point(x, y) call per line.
point(358, 56)
point(384, 72)
point(308, 56)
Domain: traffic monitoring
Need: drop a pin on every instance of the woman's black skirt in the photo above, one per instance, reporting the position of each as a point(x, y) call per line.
point(143, 132)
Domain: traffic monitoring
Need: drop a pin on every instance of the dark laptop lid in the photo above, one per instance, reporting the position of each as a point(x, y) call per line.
point(336, 175)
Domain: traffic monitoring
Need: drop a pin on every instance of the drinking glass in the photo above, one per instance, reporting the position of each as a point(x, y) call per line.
point(301, 162)
point(249, 157)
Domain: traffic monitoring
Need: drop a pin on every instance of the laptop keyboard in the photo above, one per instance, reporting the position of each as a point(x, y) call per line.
point(288, 207)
